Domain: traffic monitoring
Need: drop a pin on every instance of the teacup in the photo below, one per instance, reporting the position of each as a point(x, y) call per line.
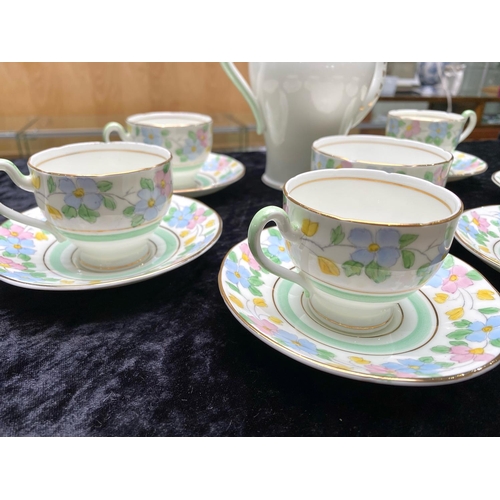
point(379, 152)
point(188, 136)
point(440, 128)
point(361, 241)
point(106, 199)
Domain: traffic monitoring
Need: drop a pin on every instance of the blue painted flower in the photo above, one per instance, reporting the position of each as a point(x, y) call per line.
point(181, 218)
point(237, 274)
point(393, 126)
point(292, 341)
point(481, 331)
point(437, 280)
point(442, 251)
point(211, 165)
point(150, 203)
point(81, 191)
point(17, 246)
point(412, 366)
point(438, 130)
point(152, 135)
point(192, 149)
point(383, 248)
point(277, 248)
point(468, 228)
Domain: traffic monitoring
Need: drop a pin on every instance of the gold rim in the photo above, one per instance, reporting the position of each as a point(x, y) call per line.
point(209, 121)
point(374, 223)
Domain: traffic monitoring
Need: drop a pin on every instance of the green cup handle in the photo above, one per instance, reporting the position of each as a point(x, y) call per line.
point(118, 128)
point(471, 115)
point(24, 182)
point(278, 215)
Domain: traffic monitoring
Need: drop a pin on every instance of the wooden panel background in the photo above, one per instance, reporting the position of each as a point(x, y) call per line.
point(85, 89)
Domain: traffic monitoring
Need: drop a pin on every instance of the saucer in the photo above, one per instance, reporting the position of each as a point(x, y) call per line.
point(496, 177)
point(218, 172)
point(478, 231)
point(40, 262)
point(465, 165)
point(447, 332)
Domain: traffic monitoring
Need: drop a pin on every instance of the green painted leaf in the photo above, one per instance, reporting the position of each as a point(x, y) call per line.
point(458, 342)
point(29, 264)
point(330, 163)
point(2, 238)
point(164, 132)
point(7, 224)
point(428, 176)
point(69, 212)
point(408, 258)
point(489, 310)
point(463, 323)
point(166, 167)
point(129, 211)
point(109, 203)
point(245, 317)
point(274, 232)
point(495, 342)
point(492, 234)
point(147, 184)
point(87, 214)
point(423, 270)
point(352, 268)
point(179, 151)
point(337, 235)
point(232, 256)
point(448, 262)
point(255, 291)
point(377, 273)
point(137, 220)
point(51, 185)
point(8, 254)
point(24, 257)
point(406, 239)
point(233, 287)
point(443, 364)
point(426, 359)
point(255, 272)
point(207, 213)
point(474, 275)
point(270, 256)
point(441, 349)
point(459, 334)
point(104, 186)
point(325, 354)
point(253, 280)
point(192, 135)
point(38, 275)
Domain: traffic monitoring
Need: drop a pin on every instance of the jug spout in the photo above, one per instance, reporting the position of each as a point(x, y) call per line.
point(241, 84)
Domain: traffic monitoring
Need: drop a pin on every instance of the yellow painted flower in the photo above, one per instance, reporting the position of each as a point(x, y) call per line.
point(35, 181)
point(485, 295)
point(54, 213)
point(184, 233)
point(360, 361)
point(41, 236)
point(275, 320)
point(236, 300)
point(309, 228)
point(328, 266)
point(210, 223)
point(67, 282)
point(455, 314)
point(259, 302)
point(441, 298)
point(190, 240)
point(484, 249)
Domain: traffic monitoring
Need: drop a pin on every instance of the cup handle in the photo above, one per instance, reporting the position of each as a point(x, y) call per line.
point(471, 115)
point(118, 128)
point(278, 215)
point(24, 182)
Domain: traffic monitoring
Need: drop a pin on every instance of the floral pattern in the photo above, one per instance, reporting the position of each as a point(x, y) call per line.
point(465, 165)
point(468, 319)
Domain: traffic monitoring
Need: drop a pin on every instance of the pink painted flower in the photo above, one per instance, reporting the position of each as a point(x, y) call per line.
point(463, 353)
point(202, 137)
point(163, 181)
point(480, 222)
point(382, 370)
point(248, 257)
point(16, 232)
point(265, 325)
point(197, 218)
point(222, 164)
point(10, 264)
point(412, 129)
point(345, 164)
point(456, 279)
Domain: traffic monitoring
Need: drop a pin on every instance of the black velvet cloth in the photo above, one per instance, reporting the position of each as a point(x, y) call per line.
point(165, 357)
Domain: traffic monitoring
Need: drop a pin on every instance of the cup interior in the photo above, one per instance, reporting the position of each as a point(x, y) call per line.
point(371, 196)
point(425, 115)
point(99, 159)
point(381, 150)
point(169, 119)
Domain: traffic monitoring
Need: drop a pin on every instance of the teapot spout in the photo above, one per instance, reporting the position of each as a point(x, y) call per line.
point(245, 90)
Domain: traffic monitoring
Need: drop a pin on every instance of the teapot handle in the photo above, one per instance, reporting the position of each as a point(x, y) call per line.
point(241, 84)
point(373, 92)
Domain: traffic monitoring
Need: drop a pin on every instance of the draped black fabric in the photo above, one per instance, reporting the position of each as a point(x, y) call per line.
point(165, 357)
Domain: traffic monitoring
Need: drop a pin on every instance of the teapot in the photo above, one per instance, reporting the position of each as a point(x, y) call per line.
point(295, 103)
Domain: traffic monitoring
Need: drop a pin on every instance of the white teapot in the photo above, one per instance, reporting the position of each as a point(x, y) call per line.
point(295, 103)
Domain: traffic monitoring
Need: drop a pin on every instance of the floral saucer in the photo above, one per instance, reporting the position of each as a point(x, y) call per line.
point(465, 165)
point(31, 258)
point(478, 231)
point(447, 332)
point(496, 177)
point(218, 172)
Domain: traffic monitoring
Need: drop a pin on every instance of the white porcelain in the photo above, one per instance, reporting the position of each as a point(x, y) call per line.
point(218, 172)
point(361, 240)
point(440, 128)
point(465, 165)
point(104, 198)
point(382, 153)
point(294, 103)
point(188, 137)
point(33, 258)
point(447, 332)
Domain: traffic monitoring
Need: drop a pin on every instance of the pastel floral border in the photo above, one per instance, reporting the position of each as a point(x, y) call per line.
point(221, 168)
point(466, 165)
point(22, 247)
point(468, 308)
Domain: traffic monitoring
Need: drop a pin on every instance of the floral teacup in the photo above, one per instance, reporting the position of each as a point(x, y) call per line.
point(188, 136)
point(361, 241)
point(391, 155)
point(106, 199)
point(443, 129)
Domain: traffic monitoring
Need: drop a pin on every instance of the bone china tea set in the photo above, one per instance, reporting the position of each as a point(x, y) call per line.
point(355, 278)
